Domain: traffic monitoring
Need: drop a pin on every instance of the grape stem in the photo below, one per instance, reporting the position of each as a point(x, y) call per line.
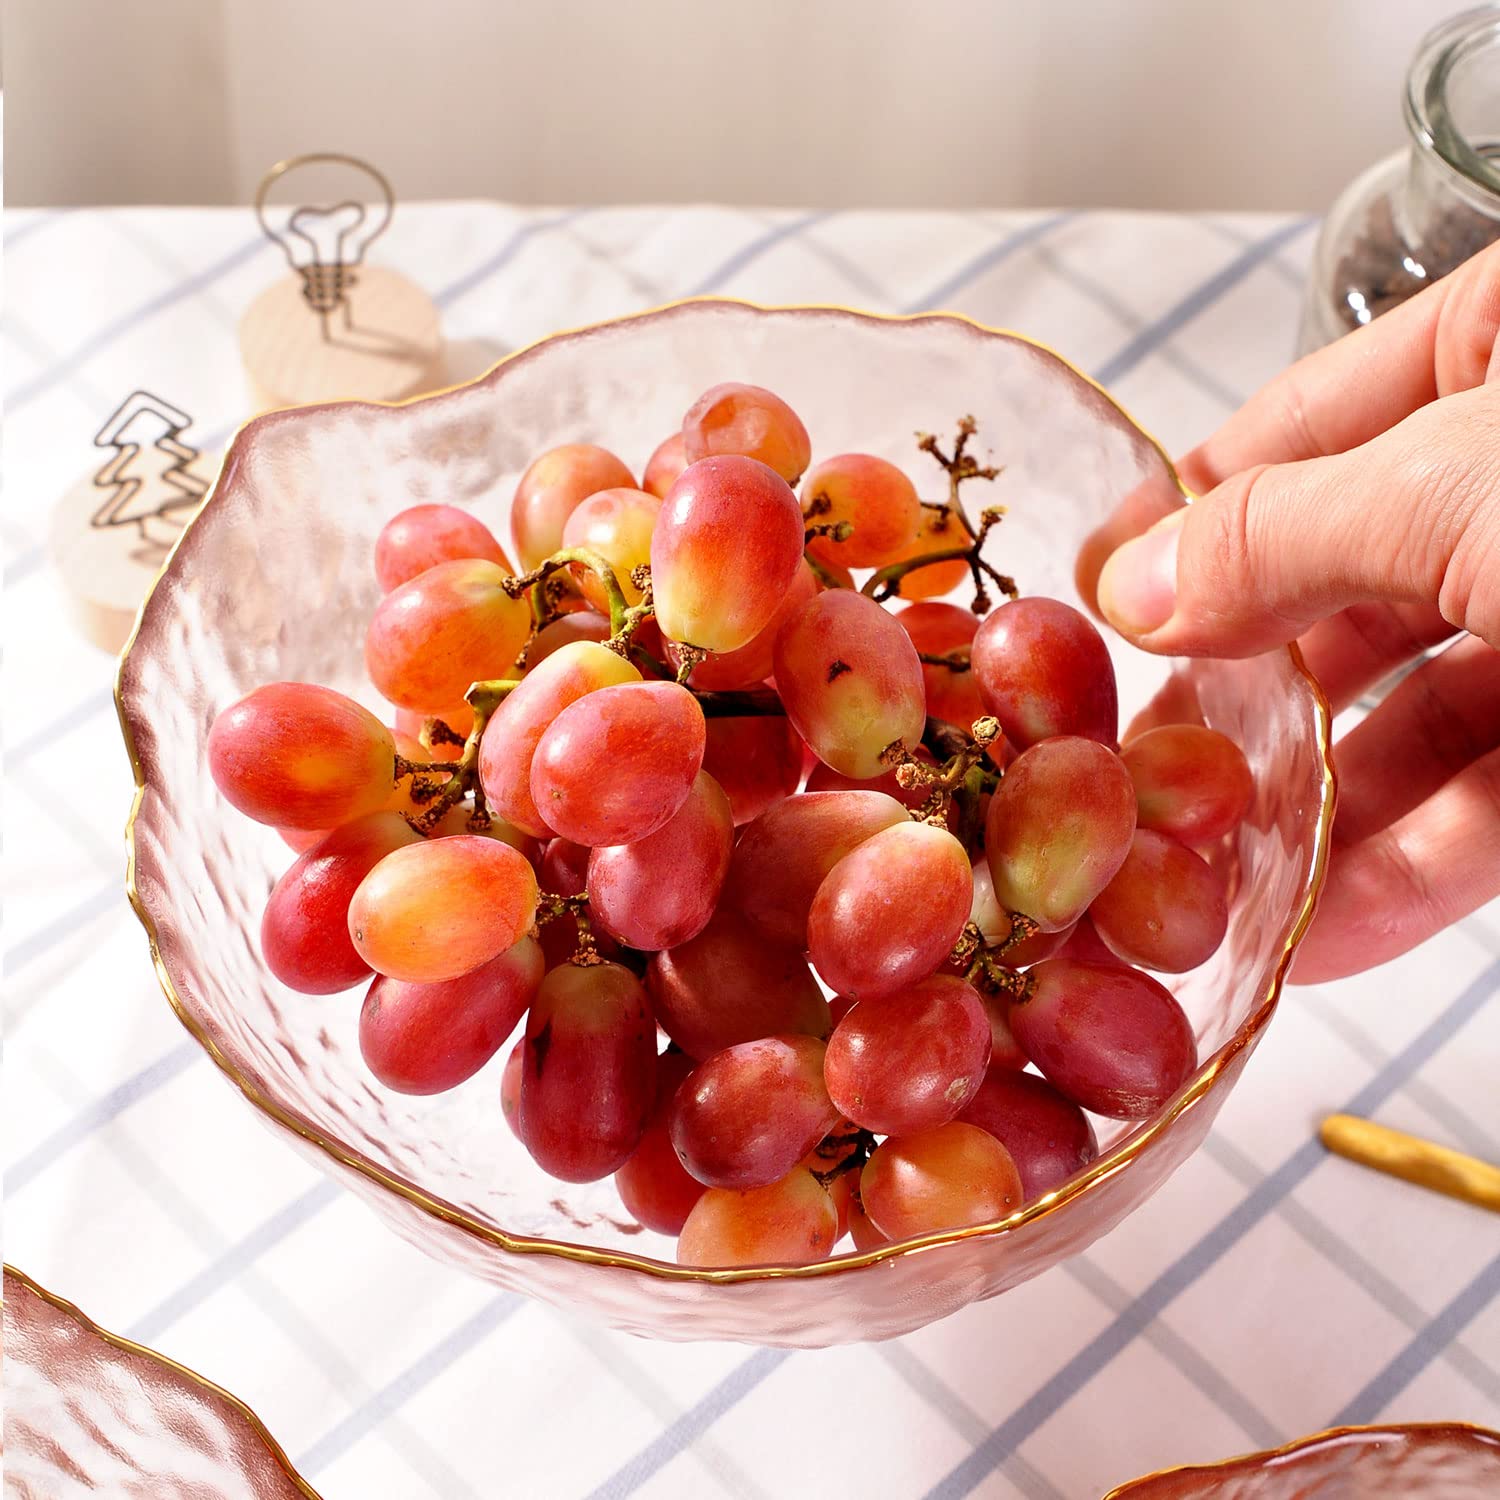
point(741, 704)
point(847, 1152)
point(840, 531)
point(550, 906)
point(960, 468)
point(944, 781)
point(463, 774)
point(955, 661)
point(585, 557)
point(823, 573)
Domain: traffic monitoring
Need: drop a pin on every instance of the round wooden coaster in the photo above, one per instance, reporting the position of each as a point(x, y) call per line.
point(107, 553)
point(384, 344)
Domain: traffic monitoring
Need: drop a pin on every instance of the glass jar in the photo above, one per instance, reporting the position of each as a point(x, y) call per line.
point(1424, 210)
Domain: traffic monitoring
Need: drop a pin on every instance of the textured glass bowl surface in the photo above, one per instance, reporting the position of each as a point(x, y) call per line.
point(88, 1411)
point(274, 580)
point(1423, 1461)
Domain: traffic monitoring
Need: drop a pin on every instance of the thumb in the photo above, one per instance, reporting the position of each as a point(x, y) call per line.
point(1410, 516)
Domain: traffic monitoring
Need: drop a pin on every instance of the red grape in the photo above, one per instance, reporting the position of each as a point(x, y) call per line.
point(304, 934)
point(851, 682)
point(786, 853)
point(617, 524)
point(653, 1185)
point(662, 889)
point(1005, 1050)
point(749, 665)
point(426, 535)
point(910, 1060)
point(1049, 1138)
point(450, 627)
point(619, 762)
point(1043, 670)
point(1058, 829)
point(936, 532)
point(426, 1038)
point(825, 1161)
point(1191, 782)
point(553, 488)
point(298, 756)
point(749, 1114)
point(727, 546)
point(667, 461)
point(750, 422)
point(949, 1177)
point(1109, 1037)
point(790, 1222)
point(889, 912)
point(510, 1086)
point(508, 749)
point(877, 500)
point(757, 760)
point(589, 1079)
point(731, 984)
point(580, 625)
point(1083, 942)
point(941, 630)
point(1165, 909)
point(441, 907)
point(862, 1228)
point(564, 867)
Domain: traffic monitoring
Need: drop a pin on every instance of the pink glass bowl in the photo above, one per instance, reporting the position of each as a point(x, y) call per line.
point(1421, 1461)
point(274, 580)
point(89, 1412)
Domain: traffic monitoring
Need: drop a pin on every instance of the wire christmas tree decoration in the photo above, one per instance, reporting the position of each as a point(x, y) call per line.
point(150, 485)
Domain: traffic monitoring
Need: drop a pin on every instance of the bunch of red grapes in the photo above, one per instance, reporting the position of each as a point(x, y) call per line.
point(649, 791)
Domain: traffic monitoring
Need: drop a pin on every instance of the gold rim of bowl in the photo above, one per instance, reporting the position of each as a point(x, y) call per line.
point(1104, 1166)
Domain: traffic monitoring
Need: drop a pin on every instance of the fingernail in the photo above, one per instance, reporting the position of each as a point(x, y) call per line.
point(1138, 587)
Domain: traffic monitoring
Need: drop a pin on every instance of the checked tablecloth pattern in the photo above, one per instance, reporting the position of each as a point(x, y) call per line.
point(1267, 1291)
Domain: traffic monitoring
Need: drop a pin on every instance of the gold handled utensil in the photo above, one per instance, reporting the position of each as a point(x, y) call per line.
point(1414, 1160)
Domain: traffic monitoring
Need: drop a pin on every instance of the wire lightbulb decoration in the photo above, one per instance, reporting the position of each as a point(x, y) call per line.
point(325, 244)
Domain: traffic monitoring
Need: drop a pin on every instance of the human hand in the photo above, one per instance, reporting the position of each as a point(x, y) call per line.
point(1354, 504)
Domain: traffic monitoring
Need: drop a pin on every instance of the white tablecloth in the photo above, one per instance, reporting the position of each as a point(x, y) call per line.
point(1267, 1291)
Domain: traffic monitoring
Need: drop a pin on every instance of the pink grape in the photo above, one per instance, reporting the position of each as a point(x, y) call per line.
point(427, 1038)
point(790, 1222)
point(298, 756)
point(456, 821)
point(588, 1082)
point(910, 1060)
point(889, 912)
point(446, 629)
point(877, 500)
point(757, 760)
point(510, 1086)
point(508, 749)
point(851, 682)
point(661, 890)
point(579, 625)
point(618, 763)
point(750, 422)
point(564, 867)
point(1049, 1138)
point(1191, 782)
point(1085, 943)
point(1058, 829)
point(731, 984)
point(1165, 909)
point(1005, 1050)
point(950, 1177)
point(426, 535)
point(1109, 1037)
point(1043, 670)
point(936, 532)
point(749, 665)
point(304, 934)
point(617, 524)
point(749, 1114)
point(785, 854)
point(653, 1185)
point(942, 630)
point(441, 907)
point(667, 461)
point(555, 485)
point(727, 546)
point(995, 925)
point(862, 1228)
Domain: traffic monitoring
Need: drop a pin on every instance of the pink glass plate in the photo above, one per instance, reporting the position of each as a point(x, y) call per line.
point(274, 580)
point(1424, 1461)
point(86, 1410)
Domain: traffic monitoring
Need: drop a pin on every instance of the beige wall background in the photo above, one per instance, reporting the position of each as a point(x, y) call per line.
point(1148, 103)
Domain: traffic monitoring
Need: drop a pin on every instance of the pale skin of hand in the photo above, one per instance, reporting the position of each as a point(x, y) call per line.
point(1353, 504)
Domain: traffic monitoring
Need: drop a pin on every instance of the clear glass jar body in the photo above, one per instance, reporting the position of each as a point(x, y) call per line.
point(1420, 213)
